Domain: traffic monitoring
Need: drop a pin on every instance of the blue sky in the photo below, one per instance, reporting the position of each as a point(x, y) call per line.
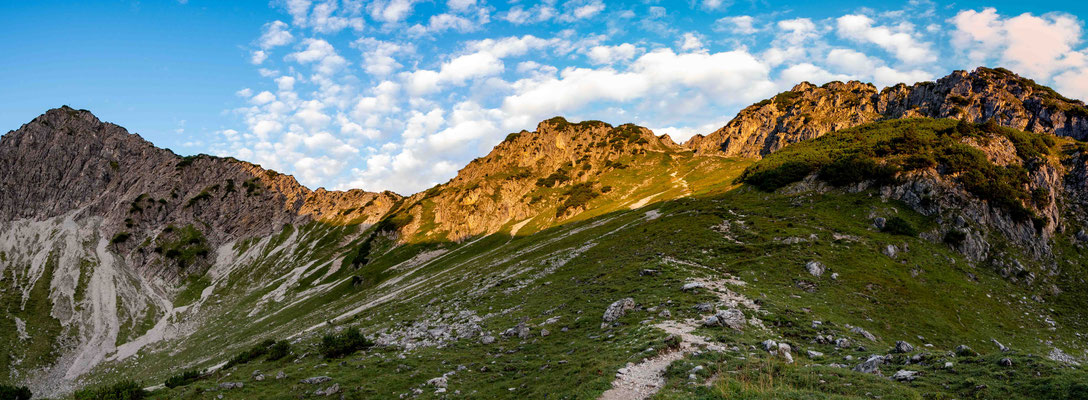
point(399, 94)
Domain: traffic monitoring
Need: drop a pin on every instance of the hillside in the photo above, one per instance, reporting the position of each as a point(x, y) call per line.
point(886, 255)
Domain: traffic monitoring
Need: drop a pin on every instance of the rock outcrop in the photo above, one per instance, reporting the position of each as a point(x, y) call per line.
point(808, 111)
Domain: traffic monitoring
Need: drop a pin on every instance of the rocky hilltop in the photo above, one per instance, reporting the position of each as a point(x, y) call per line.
point(808, 111)
point(556, 167)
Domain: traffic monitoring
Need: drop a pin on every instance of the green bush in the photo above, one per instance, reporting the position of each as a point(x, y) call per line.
point(784, 174)
point(856, 168)
point(279, 350)
point(14, 392)
point(124, 390)
point(120, 237)
point(253, 353)
point(183, 379)
point(577, 196)
point(899, 226)
point(344, 343)
point(555, 178)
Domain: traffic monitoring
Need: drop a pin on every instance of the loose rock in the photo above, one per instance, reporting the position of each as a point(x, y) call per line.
point(618, 309)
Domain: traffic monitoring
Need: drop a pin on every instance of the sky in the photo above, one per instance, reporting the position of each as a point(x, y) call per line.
point(400, 94)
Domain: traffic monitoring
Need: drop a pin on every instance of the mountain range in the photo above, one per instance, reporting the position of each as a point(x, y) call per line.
point(822, 239)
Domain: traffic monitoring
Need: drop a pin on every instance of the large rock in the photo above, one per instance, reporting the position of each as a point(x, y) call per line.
point(618, 309)
point(871, 365)
point(815, 268)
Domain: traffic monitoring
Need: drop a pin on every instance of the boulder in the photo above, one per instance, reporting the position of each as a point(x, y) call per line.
point(903, 347)
point(871, 365)
point(618, 309)
point(691, 286)
point(815, 268)
point(1005, 362)
point(231, 385)
point(732, 318)
point(905, 375)
point(315, 380)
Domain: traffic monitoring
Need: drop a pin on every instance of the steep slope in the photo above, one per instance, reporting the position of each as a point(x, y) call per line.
point(100, 232)
point(808, 111)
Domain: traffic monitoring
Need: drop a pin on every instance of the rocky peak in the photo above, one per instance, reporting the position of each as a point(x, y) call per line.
point(67, 163)
point(808, 111)
point(527, 174)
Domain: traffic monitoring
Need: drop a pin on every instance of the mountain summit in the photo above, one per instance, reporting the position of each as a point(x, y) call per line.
point(808, 111)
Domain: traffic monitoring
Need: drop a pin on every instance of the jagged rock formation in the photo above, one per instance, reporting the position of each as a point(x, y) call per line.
point(808, 111)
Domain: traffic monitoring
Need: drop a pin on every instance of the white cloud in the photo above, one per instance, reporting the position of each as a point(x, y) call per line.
point(322, 54)
point(901, 41)
point(798, 30)
point(691, 42)
point(378, 55)
point(715, 4)
point(391, 10)
point(740, 25)
point(611, 54)
point(274, 34)
point(258, 57)
point(1037, 46)
point(582, 11)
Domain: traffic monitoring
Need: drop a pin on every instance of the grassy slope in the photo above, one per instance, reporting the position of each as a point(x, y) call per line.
point(574, 270)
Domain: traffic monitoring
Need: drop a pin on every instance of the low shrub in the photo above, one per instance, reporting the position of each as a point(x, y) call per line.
point(899, 226)
point(279, 350)
point(955, 237)
point(183, 379)
point(253, 353)
point(344, 343)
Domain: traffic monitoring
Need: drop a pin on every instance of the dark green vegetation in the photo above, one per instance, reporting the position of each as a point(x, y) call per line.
point(259, 350)
point(880, 152)
point(182, 379)
point(183, 245)
point(344, 343)
point(14, 392)
point(124, 390)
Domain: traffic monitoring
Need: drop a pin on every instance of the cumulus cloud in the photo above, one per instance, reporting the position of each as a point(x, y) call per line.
point(741, 25)
point(611, 54)
point(900, 41)
point(321, 53)
point(1034, 45)
point(274, 34)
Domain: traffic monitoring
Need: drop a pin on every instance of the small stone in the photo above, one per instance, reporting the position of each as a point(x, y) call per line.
point(948, 365)
point(890, 250)
point(769, 345)
point(258, 378)
point(905, 375)
point(691, 286)
point(704, 307)
point(331, 390)
point(231, 385)
point(280, 375)
point(815, 268)
point(903, 347)
point(835, 275)
point(814, 354)
point(1005, 362)
point(665, 314)
point(544, 332)
point(871, 365)
point(964, 351)
point(315, 380)
point(487, 339)
point(1000, 346)
point(879, 222)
